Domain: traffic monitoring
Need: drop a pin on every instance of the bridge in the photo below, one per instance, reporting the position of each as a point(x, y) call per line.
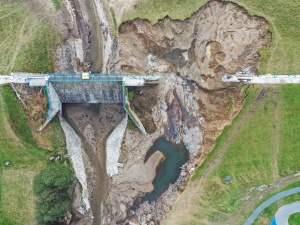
point(83, 88)
point(248, 77)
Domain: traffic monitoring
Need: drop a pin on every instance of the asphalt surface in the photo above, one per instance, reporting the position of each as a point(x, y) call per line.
point(270, 201)
point(284, 212)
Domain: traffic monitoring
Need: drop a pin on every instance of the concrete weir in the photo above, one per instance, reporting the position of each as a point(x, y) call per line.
point(83, 88)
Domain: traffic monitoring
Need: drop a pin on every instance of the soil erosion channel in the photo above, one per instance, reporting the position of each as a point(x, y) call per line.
point(169, 170)
point(93, 123)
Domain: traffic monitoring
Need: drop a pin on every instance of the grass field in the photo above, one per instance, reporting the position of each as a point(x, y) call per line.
point(294, 219)
point(16, 196)
point(154, 10)
point(26, 40)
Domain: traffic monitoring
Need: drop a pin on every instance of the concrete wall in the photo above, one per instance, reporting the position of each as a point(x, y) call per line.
point(89, 92)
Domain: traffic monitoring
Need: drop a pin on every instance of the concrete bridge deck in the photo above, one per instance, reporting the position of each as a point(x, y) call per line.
point(263, 79)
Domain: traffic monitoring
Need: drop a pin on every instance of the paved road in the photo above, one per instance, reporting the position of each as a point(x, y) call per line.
point(270, 201)
point(284, 212)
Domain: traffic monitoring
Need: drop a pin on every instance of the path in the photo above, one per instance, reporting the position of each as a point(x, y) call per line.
point(269, 202)
point(284, 212)
point(275, 170)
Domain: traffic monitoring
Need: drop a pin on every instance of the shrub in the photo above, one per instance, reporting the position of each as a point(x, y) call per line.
point(53, 188)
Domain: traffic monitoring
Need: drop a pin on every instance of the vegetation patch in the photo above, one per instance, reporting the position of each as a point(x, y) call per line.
point(154, 10)
point(289, 154)
point(230, 100)
point(53, 188)
point(294, 219)
point(16, 116)
point(57, 4)
point(16, 193)
point(112, 12)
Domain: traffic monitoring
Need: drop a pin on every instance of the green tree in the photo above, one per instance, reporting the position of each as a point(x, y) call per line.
point(53, 188)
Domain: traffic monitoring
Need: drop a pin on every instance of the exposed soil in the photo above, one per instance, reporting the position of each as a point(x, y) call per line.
point(35, 111)
point(145, 98)
point(218, 38)
point(94, 123)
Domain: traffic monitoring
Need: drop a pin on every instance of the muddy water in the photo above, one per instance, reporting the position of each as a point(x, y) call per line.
point(100, 120)
point(168, 172)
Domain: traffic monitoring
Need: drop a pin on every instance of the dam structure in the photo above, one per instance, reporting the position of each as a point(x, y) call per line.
point(83, 88)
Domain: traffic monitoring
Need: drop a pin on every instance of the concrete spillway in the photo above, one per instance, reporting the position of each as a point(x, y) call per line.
point(92, 92)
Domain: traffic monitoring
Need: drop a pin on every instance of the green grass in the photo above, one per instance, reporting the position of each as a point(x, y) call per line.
point(57, 4)
point(294, 219)
point(112, 12)
point(19, 125)
point(156, 9)
point(289, 154)
point(225, 135)
point(16, 197)
point(26, 40)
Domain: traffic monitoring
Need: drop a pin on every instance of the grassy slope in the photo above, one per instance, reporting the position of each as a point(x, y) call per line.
point(26, 42)
point(25, 39)
point(17, 200)
point(248, 158)
point(157, 9)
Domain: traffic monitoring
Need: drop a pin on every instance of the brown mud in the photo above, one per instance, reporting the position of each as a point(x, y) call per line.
point(94, 123)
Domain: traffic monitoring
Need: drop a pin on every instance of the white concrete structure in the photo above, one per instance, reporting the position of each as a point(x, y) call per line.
point(133, 81)
point(263, 79)
point(113, 147)
point(74, 147)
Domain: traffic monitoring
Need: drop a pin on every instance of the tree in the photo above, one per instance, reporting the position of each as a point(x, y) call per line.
point(53, 188)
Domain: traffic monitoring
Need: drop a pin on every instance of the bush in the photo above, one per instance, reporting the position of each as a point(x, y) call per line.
point(130, 95)
point(53, 188)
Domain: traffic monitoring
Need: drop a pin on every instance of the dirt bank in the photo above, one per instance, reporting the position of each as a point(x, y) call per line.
point(94, 123)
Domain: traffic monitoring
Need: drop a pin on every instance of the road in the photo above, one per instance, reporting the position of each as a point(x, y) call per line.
point(269, 202)
point(284, 212)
